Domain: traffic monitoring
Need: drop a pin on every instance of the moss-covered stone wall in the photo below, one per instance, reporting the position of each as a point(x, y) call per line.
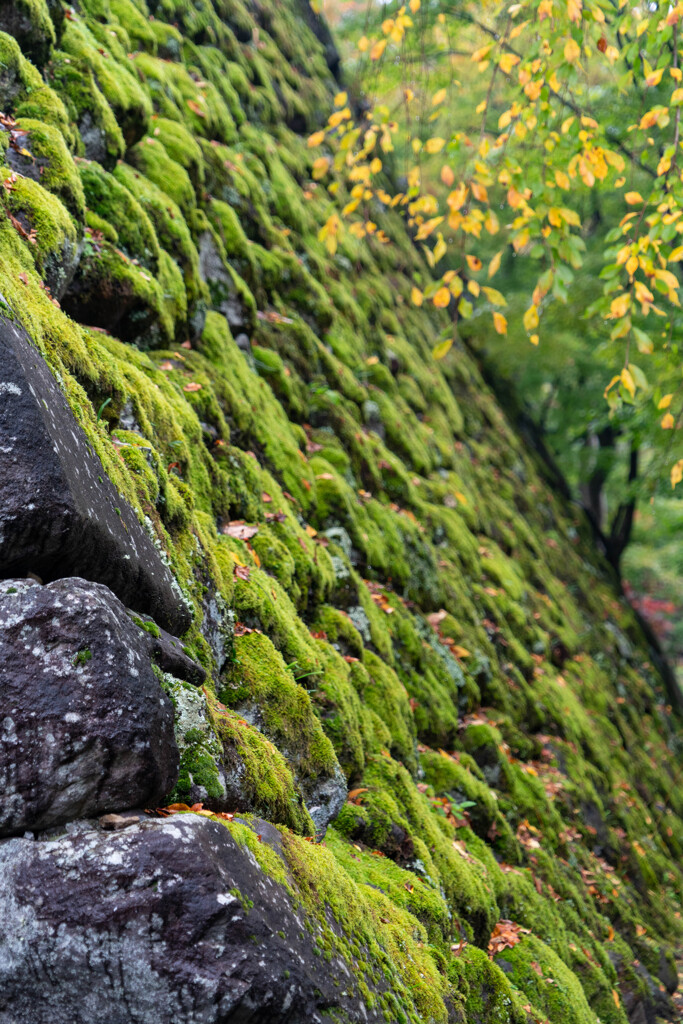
point(415, 616)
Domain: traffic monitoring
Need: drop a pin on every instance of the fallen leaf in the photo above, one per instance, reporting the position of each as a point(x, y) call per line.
point(239, 529)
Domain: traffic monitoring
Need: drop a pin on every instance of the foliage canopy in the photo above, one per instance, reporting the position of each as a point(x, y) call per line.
point(537, 146)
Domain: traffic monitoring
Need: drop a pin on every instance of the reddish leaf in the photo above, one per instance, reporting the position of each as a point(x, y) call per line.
point(239, 529)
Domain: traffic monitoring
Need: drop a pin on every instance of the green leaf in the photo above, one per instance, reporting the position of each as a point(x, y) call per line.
point(643, 342)
point(443, 348)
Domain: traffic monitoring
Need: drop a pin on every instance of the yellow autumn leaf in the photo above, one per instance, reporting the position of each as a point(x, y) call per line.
point(416, 296)
point(676, 473)
point(434, 145)
point(655, 77)
point(495, 263)
point(442, 349)
point(507, 62)
point(530, 318)
point(628, 381)
point(414, 6)
point(425, 229)
point(441, 298)
point(668, 422)
point(633, 197)
point(320, 168)
point(574, 10)
point(456, 199)
point(619, 307)
point(665, 402)
point(500, 323)
point(534, 339)
point(316, 139)
point(447, 176)
point(561, 179)
point(378, 49)
point(438, 97)
point(669, 279)
point(473, 262)
point(340, 99)
point(491, 222)
point(572, 51)
point(336, 118)
point(663, 165)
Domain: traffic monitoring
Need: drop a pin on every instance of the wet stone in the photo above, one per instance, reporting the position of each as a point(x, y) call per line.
point(60, 515)
point(86, 728)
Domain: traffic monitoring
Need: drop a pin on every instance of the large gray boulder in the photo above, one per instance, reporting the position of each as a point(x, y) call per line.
point(165, 921)
point(85, 727)
point(60, 515)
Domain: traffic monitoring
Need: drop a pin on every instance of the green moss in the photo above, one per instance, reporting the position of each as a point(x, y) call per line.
point(546, 982)
point(53, 242)
point(114, 203)
point(260, 773)
point(152, 159)
point(100, 136)
point(110, 290)
point(261, 685)
point(119, 86)
point(43, 104)
point(83, 656)
point(395, 818)
point(398, 519)
point(52, 160)
point(30, 23)
point(181, 146)
point(137, 27)
point(18, 77)
point(484, 990)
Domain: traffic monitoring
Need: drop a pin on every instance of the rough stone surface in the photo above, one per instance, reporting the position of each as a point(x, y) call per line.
point(59, 513)
point(325, 798)
point(156, 923)
point(86, 727)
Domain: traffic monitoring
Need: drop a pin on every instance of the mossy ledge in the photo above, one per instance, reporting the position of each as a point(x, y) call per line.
point(398, 614)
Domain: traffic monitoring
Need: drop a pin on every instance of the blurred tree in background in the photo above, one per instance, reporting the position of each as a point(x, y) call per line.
point(535, 151)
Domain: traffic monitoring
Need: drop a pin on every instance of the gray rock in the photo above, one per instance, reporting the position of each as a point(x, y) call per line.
point(359, 618)
point(220, 278)
point(60, 515)
point(164, 921)
point(86, 728)
point(338, 535)
point(325, 798)
point(372, 417)
point(218, 624)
